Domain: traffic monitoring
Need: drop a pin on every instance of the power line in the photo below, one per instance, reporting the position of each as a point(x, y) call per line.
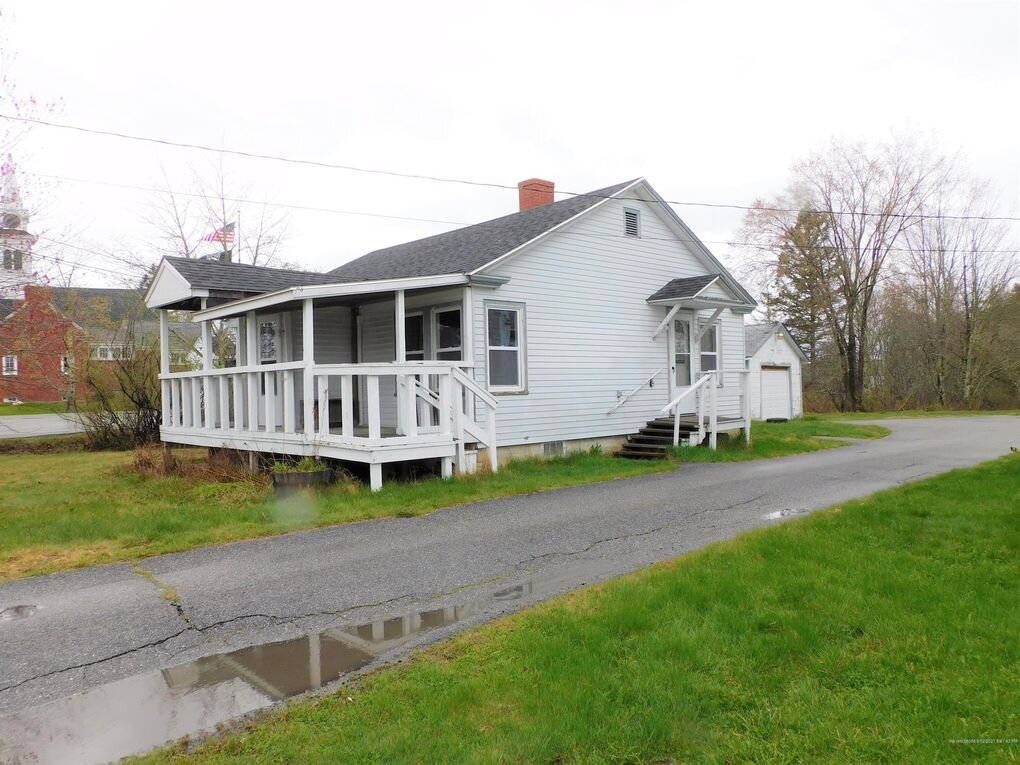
point(241, 200)
point(461, 181)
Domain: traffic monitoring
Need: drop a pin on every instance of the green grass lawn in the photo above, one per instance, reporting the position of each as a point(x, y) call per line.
point(877, 632)
point(58, 408)
point(778, 439)
point(69, 510)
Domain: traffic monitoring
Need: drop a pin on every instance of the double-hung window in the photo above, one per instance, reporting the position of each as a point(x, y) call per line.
point(504, 323)
point(65, 366)
point(710, 360)
point(10, 368)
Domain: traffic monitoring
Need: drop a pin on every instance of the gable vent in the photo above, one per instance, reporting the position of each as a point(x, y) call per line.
point(631, 223)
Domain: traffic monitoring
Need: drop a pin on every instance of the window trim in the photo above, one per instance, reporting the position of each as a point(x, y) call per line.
point(436, 347)
point(637, 220)
point(14, 366)
point(424, 330)
point(717, 330)
point(520, 309)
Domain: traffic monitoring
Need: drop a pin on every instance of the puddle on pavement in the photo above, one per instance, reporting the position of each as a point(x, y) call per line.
point(13, 613)
point(789, 512)
point(139, 713)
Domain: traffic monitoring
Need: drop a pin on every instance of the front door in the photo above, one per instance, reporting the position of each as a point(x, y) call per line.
point(270, 349)
point(682, 352)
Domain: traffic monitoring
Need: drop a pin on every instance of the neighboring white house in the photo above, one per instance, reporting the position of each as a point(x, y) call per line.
point(567, 323)
point(774, 361)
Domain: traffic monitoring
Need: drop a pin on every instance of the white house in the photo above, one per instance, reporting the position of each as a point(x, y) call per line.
point(774, 363)
point(568, 323)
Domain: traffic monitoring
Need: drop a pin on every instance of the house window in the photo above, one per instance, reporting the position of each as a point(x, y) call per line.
point(267, 341)
point(448, 335)
point(65, 366)
point(710, 359)
point(632, 223)
point(414, 337)
point(505, 348)
point(103, 353)
point(682, 352)
point(10, 366)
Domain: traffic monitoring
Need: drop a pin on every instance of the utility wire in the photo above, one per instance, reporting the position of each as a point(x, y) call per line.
point(241, 200)
point(290, 206)
point(462, 181)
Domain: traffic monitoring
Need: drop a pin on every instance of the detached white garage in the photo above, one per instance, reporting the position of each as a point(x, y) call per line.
point(774, 360)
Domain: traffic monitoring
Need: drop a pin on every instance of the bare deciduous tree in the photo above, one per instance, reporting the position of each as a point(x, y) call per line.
point(869, 197)
point(181, 217)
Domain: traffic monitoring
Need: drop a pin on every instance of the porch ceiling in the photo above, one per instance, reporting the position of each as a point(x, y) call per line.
point(351, 291)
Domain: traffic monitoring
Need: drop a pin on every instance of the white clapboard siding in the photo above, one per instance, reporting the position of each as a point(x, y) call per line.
point(333, 339)
point(589, 329)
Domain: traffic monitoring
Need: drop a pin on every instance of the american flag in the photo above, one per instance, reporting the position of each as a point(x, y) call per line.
point(224, 235)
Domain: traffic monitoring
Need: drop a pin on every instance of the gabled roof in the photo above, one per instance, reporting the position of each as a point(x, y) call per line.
point(241, 277)
point(467, 249)
point(7, 307)
point(689, 287)
point(756, 335)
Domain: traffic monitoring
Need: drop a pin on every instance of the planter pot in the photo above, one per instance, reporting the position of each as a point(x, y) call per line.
point(288, 483)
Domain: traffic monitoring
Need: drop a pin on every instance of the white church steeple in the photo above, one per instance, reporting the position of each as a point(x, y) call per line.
point(15, 242)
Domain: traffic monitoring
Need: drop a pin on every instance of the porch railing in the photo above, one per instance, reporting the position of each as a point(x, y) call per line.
point(705, 392)
point(364, 406)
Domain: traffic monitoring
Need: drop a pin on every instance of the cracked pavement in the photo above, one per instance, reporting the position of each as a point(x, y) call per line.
point(97, 625)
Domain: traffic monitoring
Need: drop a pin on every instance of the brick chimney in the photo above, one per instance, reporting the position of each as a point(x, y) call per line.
point(535, 192)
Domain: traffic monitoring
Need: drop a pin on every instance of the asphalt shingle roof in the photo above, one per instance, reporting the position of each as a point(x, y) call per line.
point(466, 249)
point(683, 288)
point(241, 277)
point(755, 336)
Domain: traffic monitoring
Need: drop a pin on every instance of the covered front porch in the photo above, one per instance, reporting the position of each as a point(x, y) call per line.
point(373, 373)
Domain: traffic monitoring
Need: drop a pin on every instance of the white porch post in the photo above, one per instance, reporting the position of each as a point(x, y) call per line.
point(164, 365)
point(467, 336)
point(671, 361)
point(251, 341)
point(400, 351)
point(308, 357)
point(398, 320)
point(208, 400)
point(467, 344)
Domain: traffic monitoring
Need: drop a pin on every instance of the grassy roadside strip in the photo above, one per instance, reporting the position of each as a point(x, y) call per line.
point(15, 409)
point(63, 511)
point(883, 630)
point(913, 413)
point(779, 439)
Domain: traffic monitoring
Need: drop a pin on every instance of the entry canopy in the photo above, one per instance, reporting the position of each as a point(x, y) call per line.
point(689, 292)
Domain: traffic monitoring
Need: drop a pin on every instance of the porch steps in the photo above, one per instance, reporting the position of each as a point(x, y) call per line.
point(653, 441)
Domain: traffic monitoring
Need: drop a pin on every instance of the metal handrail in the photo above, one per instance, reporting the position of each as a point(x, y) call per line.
point(625, 398)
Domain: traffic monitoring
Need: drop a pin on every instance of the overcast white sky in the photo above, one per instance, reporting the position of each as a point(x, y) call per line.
point(709, 101)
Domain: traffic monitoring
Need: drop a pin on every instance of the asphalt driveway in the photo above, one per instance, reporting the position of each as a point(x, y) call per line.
point(97, 625)
point(29, 425)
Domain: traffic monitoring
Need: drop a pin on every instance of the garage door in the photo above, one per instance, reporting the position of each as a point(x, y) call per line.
point(775, 392)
